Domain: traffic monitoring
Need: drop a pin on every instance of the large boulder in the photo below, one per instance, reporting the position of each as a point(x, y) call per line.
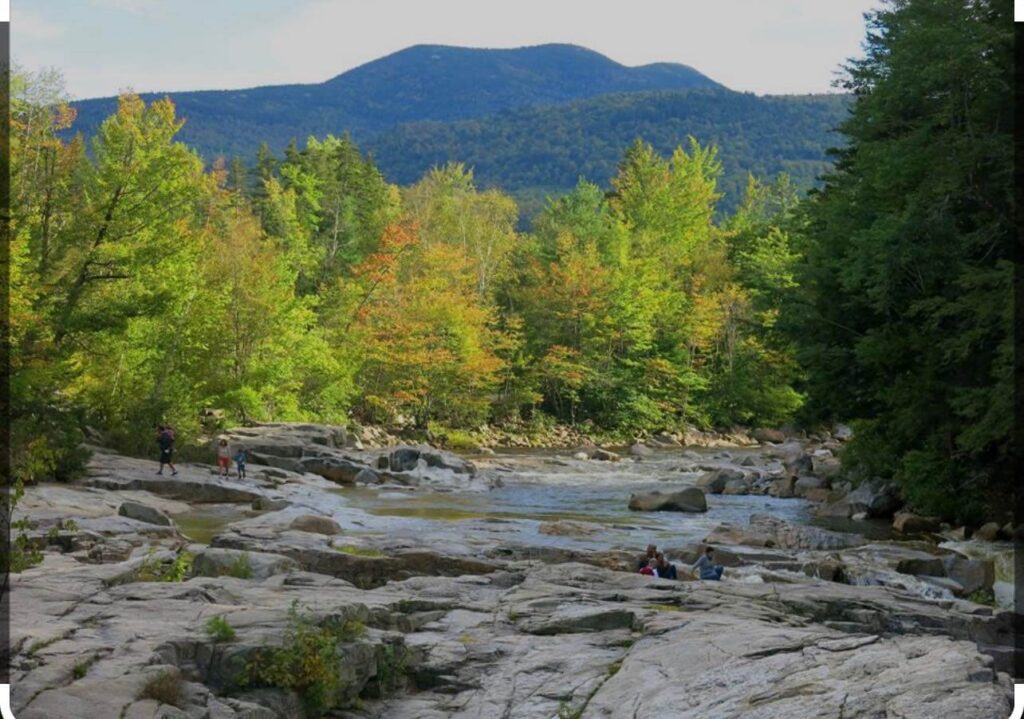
point(336, 469)
point(825, 465)
point(727, 533)
point(988, 532)
point(315, 524)
point(795, 536)
point(407, 459)
point(875, 499)
point(965, 576)
point(567, 528)
point(689, 499)
point(775, 436)
point(604, 455)
point(798, 465)
point(909, 523)
point(737, 486)
point(714, 482)
point(805, 484)
point(144, 513)
point(782, 487)
point(638, 449)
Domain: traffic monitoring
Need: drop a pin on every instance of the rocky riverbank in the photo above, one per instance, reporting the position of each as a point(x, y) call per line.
point(299, 602)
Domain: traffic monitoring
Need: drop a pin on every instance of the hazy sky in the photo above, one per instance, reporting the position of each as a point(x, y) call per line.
point(103, 46)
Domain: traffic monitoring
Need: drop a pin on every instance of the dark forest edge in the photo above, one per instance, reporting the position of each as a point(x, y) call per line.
point(146, 288)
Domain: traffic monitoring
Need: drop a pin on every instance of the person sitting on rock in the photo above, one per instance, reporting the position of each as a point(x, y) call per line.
point(223, 457)
point(651, 570)
point(646, 558)
point(706, 568)
point(241, 456)
point(665, 568)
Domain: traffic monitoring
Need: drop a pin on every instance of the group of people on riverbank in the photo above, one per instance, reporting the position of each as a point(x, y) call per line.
point(165, 441)
point(654, 564)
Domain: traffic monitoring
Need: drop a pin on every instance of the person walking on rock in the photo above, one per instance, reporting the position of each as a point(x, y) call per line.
point(706, 568)
point(223, 457)
point(165, 440)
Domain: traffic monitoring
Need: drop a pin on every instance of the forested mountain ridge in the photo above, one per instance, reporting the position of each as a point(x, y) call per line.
point(545, 150)
point(529, 120)
point(422, 82)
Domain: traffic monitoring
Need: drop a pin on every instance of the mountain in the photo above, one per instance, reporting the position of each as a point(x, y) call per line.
point(423, 82)
point(531, 120)
point(539, 150)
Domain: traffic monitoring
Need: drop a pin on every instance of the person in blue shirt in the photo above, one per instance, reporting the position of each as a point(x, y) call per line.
point(706, 567)
point(240, 458)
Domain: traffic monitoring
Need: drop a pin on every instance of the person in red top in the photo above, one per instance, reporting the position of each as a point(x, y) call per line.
point(651, 570)
point(223, 457)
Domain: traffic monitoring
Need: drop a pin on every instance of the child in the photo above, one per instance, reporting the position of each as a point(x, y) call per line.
point(240, 457)
point(651, 570)
point(223, 457)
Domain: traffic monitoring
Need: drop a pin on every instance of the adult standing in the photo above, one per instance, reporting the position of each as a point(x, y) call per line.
point(165, 440)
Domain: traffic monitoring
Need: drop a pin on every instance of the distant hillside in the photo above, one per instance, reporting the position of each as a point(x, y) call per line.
point(546, 149)
point(423, 82)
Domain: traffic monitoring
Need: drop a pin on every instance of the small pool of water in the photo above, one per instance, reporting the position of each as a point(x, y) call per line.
point(202, 523)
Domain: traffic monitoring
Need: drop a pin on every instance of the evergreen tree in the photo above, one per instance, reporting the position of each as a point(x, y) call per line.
point(907, 322)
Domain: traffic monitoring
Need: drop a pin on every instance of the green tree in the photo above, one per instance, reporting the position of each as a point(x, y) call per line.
point(906, 325)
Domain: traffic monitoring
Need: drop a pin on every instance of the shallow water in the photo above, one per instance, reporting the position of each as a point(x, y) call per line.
point(545, 486)
point(203, 522)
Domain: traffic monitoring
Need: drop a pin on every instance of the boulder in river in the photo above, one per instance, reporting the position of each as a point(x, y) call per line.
point(638, 449)
point(567, 528)
point(909, 523)
point(775, 436)
point(876, 499)
point(689, 499)
point(714, 481)
point(805, 484)
point(988, 532)
point(737, 486)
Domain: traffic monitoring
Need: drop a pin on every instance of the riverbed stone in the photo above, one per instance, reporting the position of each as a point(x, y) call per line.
point(714, 481)
point(689, 499)
point(987, 532)
point(909, 523)
point(315, 524)
point(143, 513)
point(216, 562)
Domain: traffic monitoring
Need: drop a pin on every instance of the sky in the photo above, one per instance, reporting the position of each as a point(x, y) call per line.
point(105, 46)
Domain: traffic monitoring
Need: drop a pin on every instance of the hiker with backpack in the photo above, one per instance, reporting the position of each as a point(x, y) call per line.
point(165, 441)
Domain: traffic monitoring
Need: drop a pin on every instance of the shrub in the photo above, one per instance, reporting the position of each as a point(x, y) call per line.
point(165, 687)
point(308, 660)
point(219, 629)
point(157, 570)
point(241, 568)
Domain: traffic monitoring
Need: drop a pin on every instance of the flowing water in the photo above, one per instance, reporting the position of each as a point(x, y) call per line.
point(542, 486)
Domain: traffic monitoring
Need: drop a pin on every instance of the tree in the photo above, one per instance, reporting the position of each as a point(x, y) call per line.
point(906, 325)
